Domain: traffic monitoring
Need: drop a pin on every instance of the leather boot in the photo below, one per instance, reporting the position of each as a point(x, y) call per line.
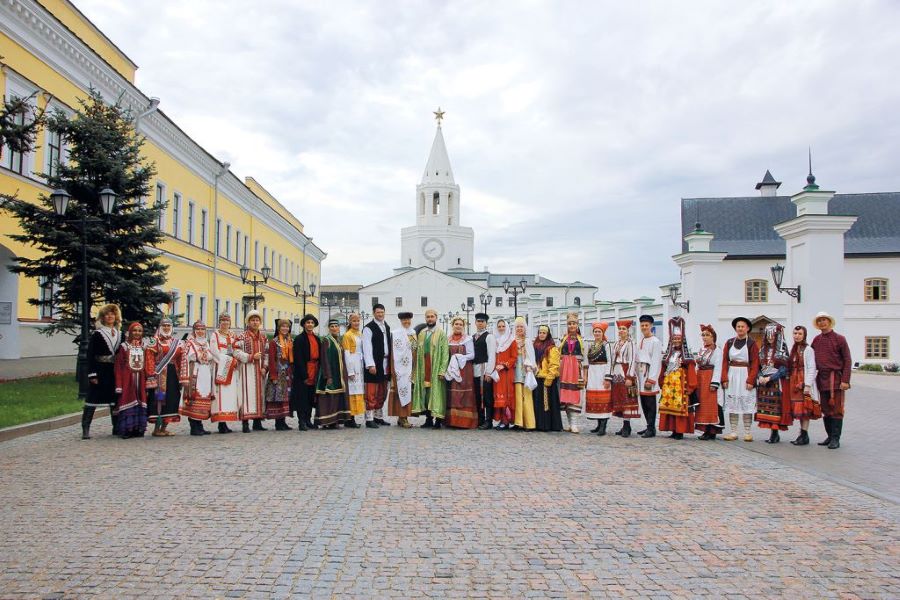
point(802, 439)
point(597, 428)
point(245, 426)
point(601, 426)
point(114, 419)
point(429, 422)
point(87, 415)
point(626, 429)
point(281, 425)
point(827, 422)
point(196, 427)
point(258, 426)
point(644, 412)
point(223, 427)
point(774, 437)
point(351, 423)
point(836, 426)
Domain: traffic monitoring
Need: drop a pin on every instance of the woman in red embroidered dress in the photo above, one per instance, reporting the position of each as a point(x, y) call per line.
point(197, 376)
point(131, 385)
point(503, 376)
point(163, 388)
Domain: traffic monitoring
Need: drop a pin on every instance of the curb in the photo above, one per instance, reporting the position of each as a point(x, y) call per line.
point(17, 431)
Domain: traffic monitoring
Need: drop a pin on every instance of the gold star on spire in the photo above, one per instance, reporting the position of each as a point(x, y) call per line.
point(438, 115)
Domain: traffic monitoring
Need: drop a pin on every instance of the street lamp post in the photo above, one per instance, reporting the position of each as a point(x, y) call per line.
point(468, 308)
point(673, 298)
point(515, 290)
point(60, 199)
point(245, 279)
point(299, 291)
point(485, 300)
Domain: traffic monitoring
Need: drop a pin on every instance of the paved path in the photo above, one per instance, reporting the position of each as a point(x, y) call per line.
point(415, 513)
point(20, 368)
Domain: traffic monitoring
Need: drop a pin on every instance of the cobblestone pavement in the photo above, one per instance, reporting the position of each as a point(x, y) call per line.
point(415, 513)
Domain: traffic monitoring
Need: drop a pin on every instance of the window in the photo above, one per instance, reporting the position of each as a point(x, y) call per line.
point(188, 308)
point(204, 218)
point(436, 204)
point(173, 294)
point(374, 300)
point(398, 301)
point(47, 290)
point(256, 255)
point(877, 347)
point(549, 300)
point(424, 301)
point(265, 318)
point(16, 161)
point(201, 313)
point(756, 290)
point(577, 301)
point(511, 302)
point(176, 215)
point(470, 301)
point(499, 302)
point(219, 237)
point(265, 254)
point(161, 206)
point(246, 249)
point(190, 223)
point(54, 152)
point(228, 242)
point(218, 308)
point(237, 246)
point(228, 310)
point(876, 289)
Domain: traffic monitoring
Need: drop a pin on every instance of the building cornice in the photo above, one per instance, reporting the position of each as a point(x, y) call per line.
point(814, 224)
point(694, 258)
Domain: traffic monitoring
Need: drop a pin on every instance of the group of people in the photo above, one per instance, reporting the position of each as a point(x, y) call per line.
point(496, 379)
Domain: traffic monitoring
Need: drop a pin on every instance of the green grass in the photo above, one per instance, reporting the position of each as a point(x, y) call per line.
point(36, 398)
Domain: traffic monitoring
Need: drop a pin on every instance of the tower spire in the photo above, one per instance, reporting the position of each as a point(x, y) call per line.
point(439, 115)
point(810, 179)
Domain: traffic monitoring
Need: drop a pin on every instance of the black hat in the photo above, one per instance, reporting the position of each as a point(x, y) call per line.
point(646, 319)
point(481, 317)
point(737, 320)
point(377, 306)
point(310, 318)
point(333, 322)
point(405, 315)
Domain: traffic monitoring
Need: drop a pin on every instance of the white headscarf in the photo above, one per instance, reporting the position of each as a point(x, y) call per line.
point(504, 341)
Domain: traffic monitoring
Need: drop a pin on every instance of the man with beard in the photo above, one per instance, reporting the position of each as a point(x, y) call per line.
point(432, 358)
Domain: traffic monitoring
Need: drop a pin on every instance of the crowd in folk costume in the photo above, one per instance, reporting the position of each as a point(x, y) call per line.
point(494, 379)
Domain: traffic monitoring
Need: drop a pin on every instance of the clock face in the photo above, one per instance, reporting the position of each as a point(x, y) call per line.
point(433, 249)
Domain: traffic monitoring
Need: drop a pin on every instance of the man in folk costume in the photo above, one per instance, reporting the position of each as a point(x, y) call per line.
point(197, 379)
point(164, 354)
point(677, 404)
point(103, 345)
point(377, 355)
point(773, 392)
point(226, 403)
point(833, 365)
point(280, 376)
point(307, 362)
point(332, 406)
point(131, 384)
point(621, 377)
point(804, 395)
point(404, 357)
point(649, 361)
point(250, 350)
point(356, 366)
point(710, 417)
point(432, 358)
point(485, 359)
point(740, 367)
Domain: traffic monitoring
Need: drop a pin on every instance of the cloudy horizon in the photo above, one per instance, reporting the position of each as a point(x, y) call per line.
point(573, 129)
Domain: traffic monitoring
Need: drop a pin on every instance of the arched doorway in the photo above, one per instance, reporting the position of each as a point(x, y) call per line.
point(9, 293)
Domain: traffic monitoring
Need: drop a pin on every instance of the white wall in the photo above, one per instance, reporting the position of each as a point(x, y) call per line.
point(9, 292)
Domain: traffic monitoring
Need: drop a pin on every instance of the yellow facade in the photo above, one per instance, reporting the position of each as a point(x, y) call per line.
point(51, 49)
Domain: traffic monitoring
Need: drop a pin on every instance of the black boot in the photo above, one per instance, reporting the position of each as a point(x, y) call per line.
point(381, 422)
point(196, 427)
point(87, 416)
point(114, 419)
point(245, 426)
point(677, 436)
point(281, 425)
point(836, 426)
point(437, 424)
point(601, 426)
point(371, 425)
point(626, 429)
point(827, 422)
point(649, 414)
point(258, 426)
point(486, 425)
point(429, 422)
point(774, 437)
point(351, 423)
point(802, 439)
point(301, 425)
point(597, 428)
point(223, 427)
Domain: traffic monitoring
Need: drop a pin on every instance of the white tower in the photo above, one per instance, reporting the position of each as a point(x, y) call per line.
point(437, 240)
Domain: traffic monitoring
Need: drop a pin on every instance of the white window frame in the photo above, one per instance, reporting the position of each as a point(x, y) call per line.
point(884, 290)
point(227, 241)
point(188, 309)
point(204, 225)
point(201, 308)
point(161, 205)
point(19, 87)
point(190, 222)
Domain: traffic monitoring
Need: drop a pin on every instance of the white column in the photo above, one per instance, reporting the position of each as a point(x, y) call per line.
point(699, 283)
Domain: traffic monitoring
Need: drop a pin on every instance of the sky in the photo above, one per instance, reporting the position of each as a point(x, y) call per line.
point(573, 128)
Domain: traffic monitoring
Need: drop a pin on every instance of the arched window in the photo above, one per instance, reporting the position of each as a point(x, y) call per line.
point(450, 208)
point(876, 289)
point(577, 301)
point(436, 204)
point(422, 203)
point(756, 290)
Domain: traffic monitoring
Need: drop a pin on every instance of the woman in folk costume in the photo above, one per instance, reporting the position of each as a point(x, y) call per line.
point(103, 346)
point(403, 355)
point(546, 394)
point(679, 380)
point(355, 365)
point(571, 371)
point(225, 405)
point(804, 395)
point(503, 375)
point(740, 365)
point(710, 418)
point(250, 351)
point(621, 378)
point(773, 392)
point(198, 368)
point(131, 384)
point(163, 389)
point(525, 365)
point(462, 409)
point(598, 400)
point(281, 375)
point(332, 407)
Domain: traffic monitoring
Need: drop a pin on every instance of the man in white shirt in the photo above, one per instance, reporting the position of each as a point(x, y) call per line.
point(649, 362)
point(483, 365)
point(377, 357)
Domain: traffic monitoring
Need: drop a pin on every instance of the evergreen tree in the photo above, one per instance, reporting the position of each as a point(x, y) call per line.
point(103, 151)
point(19, 124)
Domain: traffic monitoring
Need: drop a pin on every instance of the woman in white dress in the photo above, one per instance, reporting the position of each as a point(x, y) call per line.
point(197, 375)
point(225, 404)
point(740, 367)
point(355, 365)
point(598, 400)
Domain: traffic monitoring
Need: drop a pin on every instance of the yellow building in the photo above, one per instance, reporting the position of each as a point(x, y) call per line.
point(214, 222)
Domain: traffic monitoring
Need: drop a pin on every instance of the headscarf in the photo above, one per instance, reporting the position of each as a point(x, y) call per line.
point(799, 347)
point(776, 347)
point(541, 347)
point(676, 328)
point(285, 343)
point(506, 340)
point(710, 329)
point(131, 327)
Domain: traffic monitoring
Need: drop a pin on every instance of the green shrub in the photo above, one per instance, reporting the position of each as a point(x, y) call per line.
point(871, 367)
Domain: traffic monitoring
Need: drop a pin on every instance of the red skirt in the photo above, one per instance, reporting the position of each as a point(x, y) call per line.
point(676, 424)
point(625, 401)
point(773, 406)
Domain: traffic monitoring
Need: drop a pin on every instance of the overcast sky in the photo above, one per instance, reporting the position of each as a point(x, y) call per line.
point(573, 128)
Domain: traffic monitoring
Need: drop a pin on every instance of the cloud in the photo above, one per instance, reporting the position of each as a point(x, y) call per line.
point(574, 128)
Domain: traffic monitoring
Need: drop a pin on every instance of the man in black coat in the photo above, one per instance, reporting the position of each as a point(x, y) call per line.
point(307, 359)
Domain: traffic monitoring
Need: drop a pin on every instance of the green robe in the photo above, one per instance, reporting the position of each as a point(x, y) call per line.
point(436, 401)
point(331, 364)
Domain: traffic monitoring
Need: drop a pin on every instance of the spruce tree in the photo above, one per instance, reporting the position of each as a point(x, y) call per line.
point(103, 151)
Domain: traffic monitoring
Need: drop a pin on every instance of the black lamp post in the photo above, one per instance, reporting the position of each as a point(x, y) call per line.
point(778, 277)
point(299, 291)
point(60, 199)
point(515, 290)
point(245, 279)
point(468, 308)
point(673, 297)
point(485, 300)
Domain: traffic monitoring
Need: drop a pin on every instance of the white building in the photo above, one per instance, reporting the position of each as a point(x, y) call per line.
point(841, 251)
